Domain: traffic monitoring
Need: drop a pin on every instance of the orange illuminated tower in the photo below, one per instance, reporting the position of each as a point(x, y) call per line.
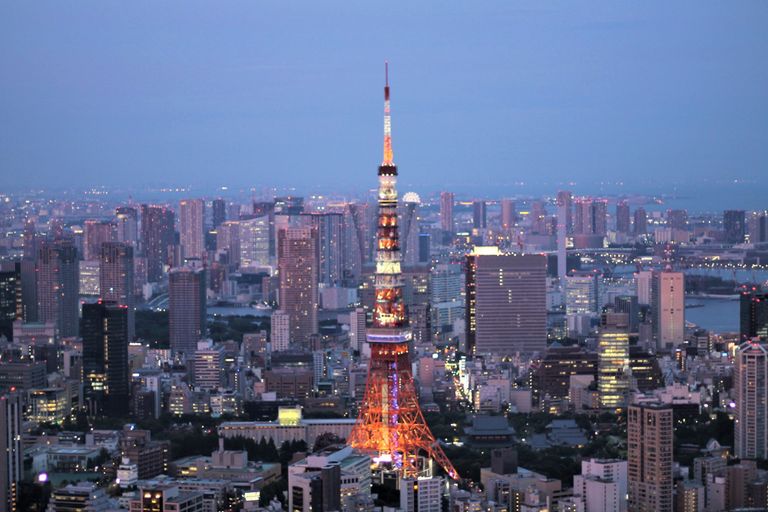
point(390, 425)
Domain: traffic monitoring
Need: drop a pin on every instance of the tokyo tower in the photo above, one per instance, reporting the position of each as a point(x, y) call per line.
point(390, 425)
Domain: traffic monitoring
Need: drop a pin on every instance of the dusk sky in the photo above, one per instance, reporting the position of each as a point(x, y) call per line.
point(290, 93)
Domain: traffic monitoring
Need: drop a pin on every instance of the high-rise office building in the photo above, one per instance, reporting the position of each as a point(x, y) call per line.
point(253, 239)
point(506, 302)
point(677, 219)
point(446, 212)
point(106, 374)
point(280, 333)
point(218, 212)
point(753, 313)
point(735, 226)
point(228, 241)
point(641, 222)
point(581, 293)
point(11, 307)
point(613, 368)
point(590, 216)
point(297, 261)
point(192, 228)
point(330, 246)
point(127, 225)
point(565, 200)
point(757, 227)
point(409, 229)
point(538, 217)
point(209, 365)
point(11, 450)
point(650, 431)
point(186, 309)
point(58, 286)
point(508, 214)
point(116, 281)
point(479, 215)
point(157, 237)
point(750, 383)
point(622, 217)
point(668, 306)
point(97, 232)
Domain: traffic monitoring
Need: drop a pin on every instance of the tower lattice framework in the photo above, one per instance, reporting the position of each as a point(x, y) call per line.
point(390, 425)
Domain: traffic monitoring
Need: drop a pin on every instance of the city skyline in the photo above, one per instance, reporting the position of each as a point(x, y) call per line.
point(587, 332)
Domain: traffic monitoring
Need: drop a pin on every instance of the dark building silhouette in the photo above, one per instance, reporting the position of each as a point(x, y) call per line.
point(186, 309)
point(753, 315)
point(552, 376)
point(641, 222)
point(10, 298)
point(106, 376)
point(116, 279)
point(479, 215)
point(735, 226)
point(11, 450)
point(218, 212)
point(58, 286)
point(622, 217)
point(157, 237)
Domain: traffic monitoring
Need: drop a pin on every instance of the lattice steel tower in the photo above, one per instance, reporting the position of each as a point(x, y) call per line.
point(390, 425)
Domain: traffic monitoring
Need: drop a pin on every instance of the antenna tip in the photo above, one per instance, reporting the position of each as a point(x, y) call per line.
point(386, 73)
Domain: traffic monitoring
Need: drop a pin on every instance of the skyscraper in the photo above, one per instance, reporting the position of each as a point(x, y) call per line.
point(668, 306)
point(479, 215)
point(11, 451)
point(192, 228)
point(446, 212)
point(97, 232)
point(186, 309)
point(228, 241)
point(613, 368)
point(157, 236)
point(280, 332)
point(750, 383)
point(641, 222)
point(218, 212)
point(11, 307)
point(677, 219)
point(753, 315)
point(590, 216)
point(409, 229)
point(757, 227)
point(565, 200)
point(622, 217)
point(581, 293)
point(330, 246)
point(116, 280)
point(508, 214)
point(649, 450)
point(297, 261)
point(106, 374)
point(58, 286)
point(253, 239)
point(735, 226)
point(127, 225)
point(506, 302)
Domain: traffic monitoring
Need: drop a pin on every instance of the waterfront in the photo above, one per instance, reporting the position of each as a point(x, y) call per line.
point(717, 315)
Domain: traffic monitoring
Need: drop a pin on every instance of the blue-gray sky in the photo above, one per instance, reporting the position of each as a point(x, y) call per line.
point(290, 93)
